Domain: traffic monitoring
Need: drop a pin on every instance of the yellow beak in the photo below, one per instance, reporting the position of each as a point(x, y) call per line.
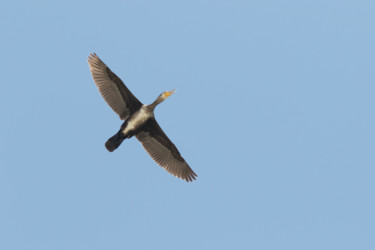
point(168, 93)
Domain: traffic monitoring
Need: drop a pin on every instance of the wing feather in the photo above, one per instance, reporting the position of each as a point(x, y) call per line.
point(163, 151)
point(113, 90)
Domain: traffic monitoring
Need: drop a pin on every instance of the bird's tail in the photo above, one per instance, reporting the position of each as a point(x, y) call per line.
point(115, 141)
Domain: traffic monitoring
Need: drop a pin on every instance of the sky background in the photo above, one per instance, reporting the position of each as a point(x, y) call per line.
point(274, 111)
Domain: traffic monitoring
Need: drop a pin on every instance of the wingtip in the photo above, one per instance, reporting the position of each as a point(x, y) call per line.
point(93, 59)
point(92, 56)
point(89, 58)
point(191, 177)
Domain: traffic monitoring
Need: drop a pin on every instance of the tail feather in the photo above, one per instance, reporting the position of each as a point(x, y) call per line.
point(114, 142)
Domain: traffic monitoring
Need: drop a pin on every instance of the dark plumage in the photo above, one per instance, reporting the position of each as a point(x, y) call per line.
point(139, 121)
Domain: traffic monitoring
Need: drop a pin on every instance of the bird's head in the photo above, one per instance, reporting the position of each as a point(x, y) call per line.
point(162, 97)
point(166, 94)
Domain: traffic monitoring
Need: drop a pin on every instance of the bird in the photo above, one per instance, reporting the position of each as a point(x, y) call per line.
point(139, 121)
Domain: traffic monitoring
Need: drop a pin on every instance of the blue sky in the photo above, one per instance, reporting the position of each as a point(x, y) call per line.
point(274, 111)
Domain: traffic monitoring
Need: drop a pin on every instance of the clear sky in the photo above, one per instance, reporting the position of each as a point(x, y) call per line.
point(274, 111)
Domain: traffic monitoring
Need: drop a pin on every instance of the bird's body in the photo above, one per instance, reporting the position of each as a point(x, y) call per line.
point(139, 121)
point(130, 127)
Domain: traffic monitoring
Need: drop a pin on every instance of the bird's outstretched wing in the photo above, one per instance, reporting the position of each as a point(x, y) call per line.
point(163, 151)
point(113, 90)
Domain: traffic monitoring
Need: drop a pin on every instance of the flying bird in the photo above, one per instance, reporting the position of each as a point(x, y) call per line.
point(139, 121)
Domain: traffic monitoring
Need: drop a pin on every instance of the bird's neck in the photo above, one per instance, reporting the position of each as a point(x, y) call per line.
point(155, 103)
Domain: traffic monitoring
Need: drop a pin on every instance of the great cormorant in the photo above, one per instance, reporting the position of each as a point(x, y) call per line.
point(139, 121)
